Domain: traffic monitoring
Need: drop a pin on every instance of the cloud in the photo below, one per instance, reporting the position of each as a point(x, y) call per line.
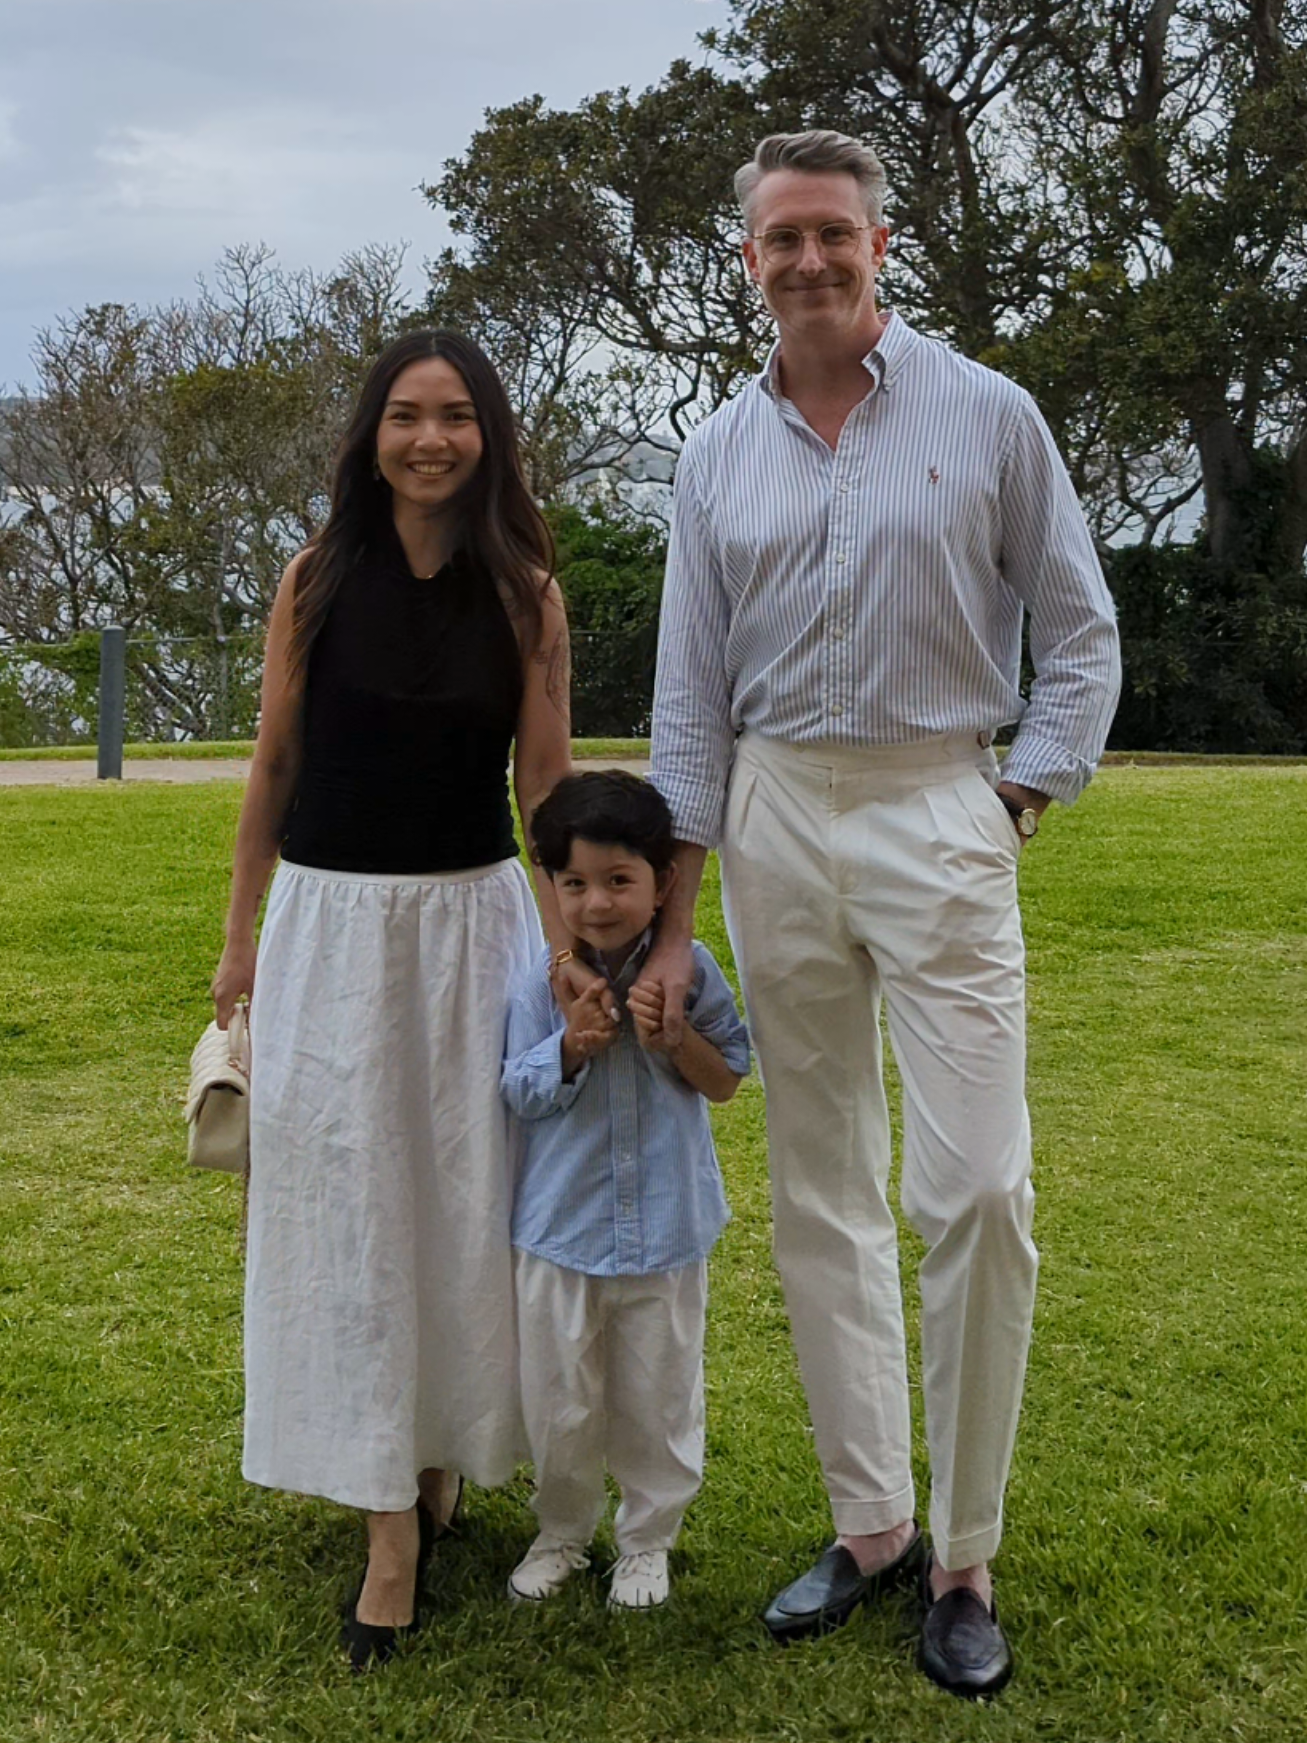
point(139, 140)
point(246, 167)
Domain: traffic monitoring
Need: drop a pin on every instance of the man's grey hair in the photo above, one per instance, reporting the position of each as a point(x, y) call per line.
point(822, 149)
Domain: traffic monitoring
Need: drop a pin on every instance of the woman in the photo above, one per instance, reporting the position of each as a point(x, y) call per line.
point(409, 646)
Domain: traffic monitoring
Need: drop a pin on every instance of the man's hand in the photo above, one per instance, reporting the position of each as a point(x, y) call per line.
point(699, 1062)
point(665, 979)
point(645, 1004)
point(589, 1028)
point(1025, 799)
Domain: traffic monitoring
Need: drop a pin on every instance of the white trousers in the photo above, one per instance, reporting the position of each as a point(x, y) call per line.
point(850, 875)
point(612, 1370)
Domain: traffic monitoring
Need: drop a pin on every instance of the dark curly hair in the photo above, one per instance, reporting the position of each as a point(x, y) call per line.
point(608, 806)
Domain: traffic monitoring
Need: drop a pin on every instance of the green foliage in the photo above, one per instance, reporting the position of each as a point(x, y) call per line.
point(1152, 1574)
point(34, 710)
point(610, 570)
point(1214, 660)
point(48, 692)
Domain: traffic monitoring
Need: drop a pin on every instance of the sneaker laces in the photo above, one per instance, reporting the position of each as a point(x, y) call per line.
point(642, 1565)
point(571, 1553)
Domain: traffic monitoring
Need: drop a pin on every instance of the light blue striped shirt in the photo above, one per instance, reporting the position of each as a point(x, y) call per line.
point(874, 594)
point(619, 1177)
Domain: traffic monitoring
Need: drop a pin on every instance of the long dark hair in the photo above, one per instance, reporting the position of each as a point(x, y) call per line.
point(501, 527)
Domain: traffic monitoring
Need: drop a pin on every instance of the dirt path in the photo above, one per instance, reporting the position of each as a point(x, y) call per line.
point(174, 769)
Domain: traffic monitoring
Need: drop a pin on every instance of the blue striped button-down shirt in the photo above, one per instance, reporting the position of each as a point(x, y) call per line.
point(619, 1177)
point(874, 594)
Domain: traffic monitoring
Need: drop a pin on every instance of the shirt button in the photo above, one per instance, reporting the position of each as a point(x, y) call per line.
point(840, 557)
point(845, 489)
point(838, 633)
point(837, 710)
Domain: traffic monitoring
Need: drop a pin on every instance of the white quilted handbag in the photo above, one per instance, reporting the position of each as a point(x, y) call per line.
point(218, 1105)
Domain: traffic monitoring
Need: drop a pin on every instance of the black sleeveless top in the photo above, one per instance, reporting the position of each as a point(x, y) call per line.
point(411, 702)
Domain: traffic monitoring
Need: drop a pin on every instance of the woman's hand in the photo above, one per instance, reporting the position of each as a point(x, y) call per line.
point(572, 978)
point(234, 977)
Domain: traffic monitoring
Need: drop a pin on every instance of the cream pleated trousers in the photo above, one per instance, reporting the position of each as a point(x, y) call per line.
point(380, 1333)
point(852, 876)
point(612, 1373)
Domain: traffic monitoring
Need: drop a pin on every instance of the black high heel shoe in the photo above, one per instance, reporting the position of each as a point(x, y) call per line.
point(369, 1643)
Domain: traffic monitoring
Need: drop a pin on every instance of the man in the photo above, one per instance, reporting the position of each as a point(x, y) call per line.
point(856, 536)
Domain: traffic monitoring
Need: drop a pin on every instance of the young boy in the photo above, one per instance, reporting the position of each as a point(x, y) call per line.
point(619, 1198)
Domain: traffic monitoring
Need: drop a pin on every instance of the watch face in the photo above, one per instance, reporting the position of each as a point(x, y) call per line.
point(1027, 823)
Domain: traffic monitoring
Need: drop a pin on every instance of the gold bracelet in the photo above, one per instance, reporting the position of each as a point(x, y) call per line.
point(558, 959)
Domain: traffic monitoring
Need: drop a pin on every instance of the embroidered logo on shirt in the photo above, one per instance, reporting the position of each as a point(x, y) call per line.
point(934, 475)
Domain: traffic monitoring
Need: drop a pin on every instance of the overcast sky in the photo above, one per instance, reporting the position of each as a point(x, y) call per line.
point(138, 138)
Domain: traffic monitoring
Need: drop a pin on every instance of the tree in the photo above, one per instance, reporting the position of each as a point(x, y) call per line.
point(600, 246)
point(1182, 157)
point(932, 86)
point(579, 410)
point(169, 464)
point(1106, 199)
point(610, 570)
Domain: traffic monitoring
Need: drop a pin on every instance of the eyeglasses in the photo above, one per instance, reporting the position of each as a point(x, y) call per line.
point(785, 243)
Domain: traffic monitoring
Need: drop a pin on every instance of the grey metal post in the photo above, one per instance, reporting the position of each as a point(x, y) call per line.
point(113, 702)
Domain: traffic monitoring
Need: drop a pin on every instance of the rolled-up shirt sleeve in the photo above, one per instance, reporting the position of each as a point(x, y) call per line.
point(1049, 561)
point(531, 1081)
point(693, 737)
point(711, 1009)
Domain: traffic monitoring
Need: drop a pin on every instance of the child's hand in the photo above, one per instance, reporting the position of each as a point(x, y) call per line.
point(589, 1028)
point(645, 1004)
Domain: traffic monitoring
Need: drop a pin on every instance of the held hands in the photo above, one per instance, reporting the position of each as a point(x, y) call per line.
point(571, 978)
point(590, 1027)
point(699, 1062)
point(646, 1005)
point(665, 977)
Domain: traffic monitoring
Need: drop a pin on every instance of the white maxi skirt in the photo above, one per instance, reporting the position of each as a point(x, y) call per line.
point(379, 1327)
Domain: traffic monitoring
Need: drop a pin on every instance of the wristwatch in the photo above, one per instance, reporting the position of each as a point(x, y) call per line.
point(1026, 820)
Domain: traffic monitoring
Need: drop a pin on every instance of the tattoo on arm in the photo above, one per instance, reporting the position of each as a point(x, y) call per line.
point(556, 659)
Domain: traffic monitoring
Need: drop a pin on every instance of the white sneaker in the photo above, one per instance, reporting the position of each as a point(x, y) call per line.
point(639, 1582)
point(544, 1570)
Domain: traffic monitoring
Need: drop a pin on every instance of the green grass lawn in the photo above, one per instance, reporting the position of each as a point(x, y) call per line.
point(1154, 1577)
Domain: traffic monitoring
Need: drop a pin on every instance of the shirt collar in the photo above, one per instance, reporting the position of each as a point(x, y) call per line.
point(625, 978)
point(882, 362)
